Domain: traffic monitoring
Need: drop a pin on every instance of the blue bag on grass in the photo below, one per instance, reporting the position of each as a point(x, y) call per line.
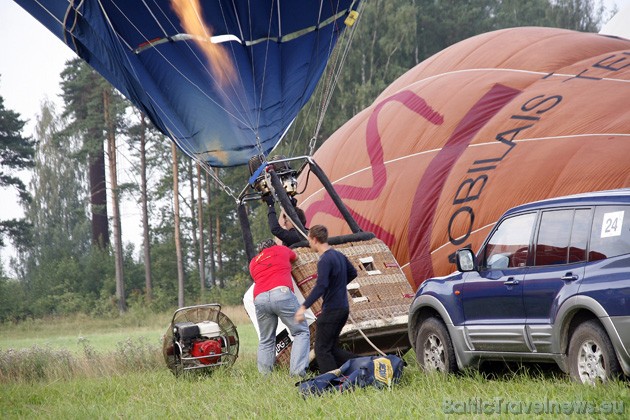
point(361, 372)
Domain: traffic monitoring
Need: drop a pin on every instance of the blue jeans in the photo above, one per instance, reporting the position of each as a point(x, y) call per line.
point(281, 303)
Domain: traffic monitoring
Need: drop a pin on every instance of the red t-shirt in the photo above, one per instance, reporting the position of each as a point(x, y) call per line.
point(272, 268)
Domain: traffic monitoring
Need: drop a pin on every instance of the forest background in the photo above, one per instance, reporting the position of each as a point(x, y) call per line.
point(70, 257)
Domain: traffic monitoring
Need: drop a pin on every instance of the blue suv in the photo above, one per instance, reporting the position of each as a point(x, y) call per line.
point(551, 283)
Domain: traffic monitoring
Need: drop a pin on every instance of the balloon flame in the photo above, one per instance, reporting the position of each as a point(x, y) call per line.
point(189, 13)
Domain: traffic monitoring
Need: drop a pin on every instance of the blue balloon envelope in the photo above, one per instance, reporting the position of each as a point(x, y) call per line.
point(226, 85)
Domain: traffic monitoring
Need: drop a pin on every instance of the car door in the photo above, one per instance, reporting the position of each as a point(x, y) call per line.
point(558, 267)
point(608, 268)
point(493, 296)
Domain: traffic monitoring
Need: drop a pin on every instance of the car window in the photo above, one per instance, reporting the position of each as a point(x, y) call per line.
point(554, 233)
point(610, 235)
point(562, 236)
point(509, 244)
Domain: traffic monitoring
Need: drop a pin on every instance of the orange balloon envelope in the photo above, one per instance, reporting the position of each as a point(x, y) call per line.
point(498, 120)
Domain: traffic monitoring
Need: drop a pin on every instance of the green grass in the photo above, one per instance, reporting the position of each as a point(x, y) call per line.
point(240, 392)
point(128, 379)
point(75, 342)
point(74, 333)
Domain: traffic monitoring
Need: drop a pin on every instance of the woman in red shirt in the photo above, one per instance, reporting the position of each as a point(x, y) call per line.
point(273, 299)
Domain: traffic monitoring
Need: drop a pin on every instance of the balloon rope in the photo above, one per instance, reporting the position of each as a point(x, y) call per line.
point(237, 88)
point(379, 351)
point(209, 170)
point(182, 139)
point(327, 86)
point(241, 118)
point(326, 89)
point(333, 79)
point(264, 73)
point(226, 188)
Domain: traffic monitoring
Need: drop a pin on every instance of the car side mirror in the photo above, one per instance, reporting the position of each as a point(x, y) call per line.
point(465, 260)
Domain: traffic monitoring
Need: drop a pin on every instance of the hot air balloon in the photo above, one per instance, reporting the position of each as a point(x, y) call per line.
point(223, 79)
point(497, 120)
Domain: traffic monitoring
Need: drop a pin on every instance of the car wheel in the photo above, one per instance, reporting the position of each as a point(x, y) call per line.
point(434, 349)
point(592, 357)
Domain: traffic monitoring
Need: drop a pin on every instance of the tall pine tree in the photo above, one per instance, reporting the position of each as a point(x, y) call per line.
point(83, 97)
point(16, 154)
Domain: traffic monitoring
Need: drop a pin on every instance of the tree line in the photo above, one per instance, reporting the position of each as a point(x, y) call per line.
point(70, 256)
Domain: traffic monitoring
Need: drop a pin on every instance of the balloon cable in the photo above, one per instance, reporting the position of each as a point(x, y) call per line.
point(379, 351)
point(332, 81)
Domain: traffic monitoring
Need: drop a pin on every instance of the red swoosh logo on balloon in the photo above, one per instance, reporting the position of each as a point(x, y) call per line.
point(379, 173)
point(434, 178)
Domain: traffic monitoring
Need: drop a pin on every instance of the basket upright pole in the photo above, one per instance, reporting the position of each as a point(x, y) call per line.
point(319, 173)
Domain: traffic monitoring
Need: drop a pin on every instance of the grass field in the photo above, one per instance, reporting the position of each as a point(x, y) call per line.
point(84, 368)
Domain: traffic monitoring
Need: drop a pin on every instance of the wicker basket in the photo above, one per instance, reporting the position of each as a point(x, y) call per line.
point(380, 295)
point(284, 357)
point(304, 273)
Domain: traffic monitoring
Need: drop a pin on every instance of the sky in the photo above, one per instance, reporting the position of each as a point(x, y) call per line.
point(31, 61)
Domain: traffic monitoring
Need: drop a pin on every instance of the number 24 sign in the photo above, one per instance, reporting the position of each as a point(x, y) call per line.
point(612, 223)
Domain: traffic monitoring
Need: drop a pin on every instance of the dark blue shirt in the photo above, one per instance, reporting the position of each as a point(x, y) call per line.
point(334, 272)
point(288, 237)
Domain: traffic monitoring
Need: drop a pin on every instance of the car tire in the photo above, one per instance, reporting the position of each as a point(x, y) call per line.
point(592, 357)
point(434, 349)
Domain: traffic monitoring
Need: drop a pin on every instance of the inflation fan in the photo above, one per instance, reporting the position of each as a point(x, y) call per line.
point(200, 339)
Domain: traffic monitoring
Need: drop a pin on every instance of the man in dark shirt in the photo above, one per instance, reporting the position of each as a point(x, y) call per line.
point(289, 235)
point(334, 272)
